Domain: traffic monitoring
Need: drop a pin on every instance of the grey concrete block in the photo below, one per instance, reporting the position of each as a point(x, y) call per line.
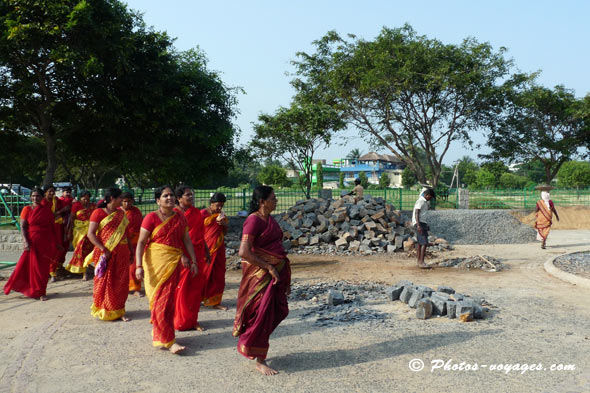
point(439, 304)
point(335, 297)
point(406, 294)
point(393, 293)
point(390, 249)
point(444, 289)
point(427, 290)
point(404, 283)
point(416, 296)
point(424, 309)
point(451, 309)
point(464, 307)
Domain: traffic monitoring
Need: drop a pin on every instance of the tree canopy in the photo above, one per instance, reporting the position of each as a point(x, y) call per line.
point(294, 134)
point(540, 124)
point(407, 91)
point(104, 92)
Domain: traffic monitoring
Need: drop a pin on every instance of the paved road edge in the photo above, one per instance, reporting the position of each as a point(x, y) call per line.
point(565, 276)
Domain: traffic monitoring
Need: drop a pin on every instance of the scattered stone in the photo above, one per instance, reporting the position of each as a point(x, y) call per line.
point(464, 311)
point(451, 309)
point(406, 294)
point(335, 297)
point(424, 309)
point(393, 293)
point(444, 289)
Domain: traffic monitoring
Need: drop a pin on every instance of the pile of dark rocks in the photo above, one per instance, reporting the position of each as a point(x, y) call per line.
point(443, 301)
point(479, 262)
point(328, 303)
point(347, 226)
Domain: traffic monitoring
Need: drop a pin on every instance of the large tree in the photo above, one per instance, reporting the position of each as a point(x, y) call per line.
point(106, 93)
point(50, 52)
point(295, 134)
point(540, 124)
point(407, 91)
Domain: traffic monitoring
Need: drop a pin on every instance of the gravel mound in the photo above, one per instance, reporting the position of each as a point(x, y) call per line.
point(576, 263)
point(479, 227)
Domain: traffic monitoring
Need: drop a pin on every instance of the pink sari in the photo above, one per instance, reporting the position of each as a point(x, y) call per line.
point(261, 306)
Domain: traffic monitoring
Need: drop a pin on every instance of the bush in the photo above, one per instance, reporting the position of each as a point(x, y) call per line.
point(274, 175)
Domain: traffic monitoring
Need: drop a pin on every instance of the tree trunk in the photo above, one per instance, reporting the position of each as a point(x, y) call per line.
point(50, 142)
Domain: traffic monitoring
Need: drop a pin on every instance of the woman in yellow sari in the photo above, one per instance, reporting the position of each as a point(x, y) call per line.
point(77, 229)
point(165, 232)
point(111, 255)
point(545, 210)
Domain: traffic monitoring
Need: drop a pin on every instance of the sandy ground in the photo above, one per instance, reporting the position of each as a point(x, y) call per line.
point(56, 346)
point(570, 217)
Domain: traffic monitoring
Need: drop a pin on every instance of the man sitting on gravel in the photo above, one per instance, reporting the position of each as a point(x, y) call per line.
point(419, 221)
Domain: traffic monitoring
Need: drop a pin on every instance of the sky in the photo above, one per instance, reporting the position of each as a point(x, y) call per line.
point(251, 43)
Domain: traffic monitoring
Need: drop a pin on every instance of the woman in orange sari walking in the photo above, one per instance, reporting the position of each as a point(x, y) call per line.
point(135, 217)
point(112, 255)
point(31, 273)
point(165, 231)
point(545, 210)
point(77, 230)
point(216, 226)
point(190, 288)
point(266, 280)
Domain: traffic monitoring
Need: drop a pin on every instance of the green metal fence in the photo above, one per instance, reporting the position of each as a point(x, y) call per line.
point(238, 199)
point(10, 208)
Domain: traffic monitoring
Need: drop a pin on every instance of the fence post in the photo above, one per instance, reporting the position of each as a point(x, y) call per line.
point(400, 198)
point(385, 196)
point(524, 199)
point(244, 200)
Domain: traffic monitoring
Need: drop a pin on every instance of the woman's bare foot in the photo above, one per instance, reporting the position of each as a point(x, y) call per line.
point(43, 298)
point(84, 277)
point(137, 294)
point(264, 368)
point(125, 319)
point(220, 307)
point(176, 349)
point(199, 328)
point(53, 279)
point(424, 266)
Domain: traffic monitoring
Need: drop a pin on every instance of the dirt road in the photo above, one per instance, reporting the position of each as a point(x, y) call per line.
point(56, 346)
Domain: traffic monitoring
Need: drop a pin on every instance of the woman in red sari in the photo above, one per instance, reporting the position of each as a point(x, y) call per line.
point(190, 288)
point(135, 217)
point(216, 226)
point(166, 232)
point(112, 255)
point(266, 280)
point(58, 209)
point(77, 230)
point(31, 273)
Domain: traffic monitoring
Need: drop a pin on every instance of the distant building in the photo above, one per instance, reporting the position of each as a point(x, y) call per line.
point(372, 164)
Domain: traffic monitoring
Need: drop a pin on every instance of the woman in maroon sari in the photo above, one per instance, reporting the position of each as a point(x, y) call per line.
point(40, 239)
point(266, 280)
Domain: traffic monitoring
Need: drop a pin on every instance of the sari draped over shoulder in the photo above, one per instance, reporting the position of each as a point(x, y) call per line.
point(110, 288)
point(135, 217)
point(544, 219)
point(214, 273)
point(31, 273)
point(190, 289)
point(261, 305)
point(161, 268)
point(80, 241)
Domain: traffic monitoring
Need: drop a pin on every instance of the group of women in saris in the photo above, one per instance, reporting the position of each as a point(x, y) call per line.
point(179, 253)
